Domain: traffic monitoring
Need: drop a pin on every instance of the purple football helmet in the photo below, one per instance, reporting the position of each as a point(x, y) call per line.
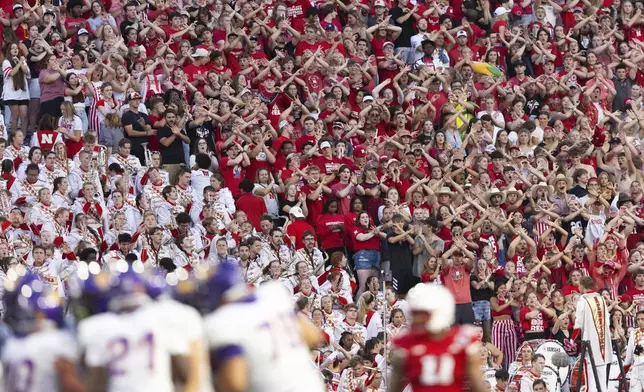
point(32, 305)
point(225, 284)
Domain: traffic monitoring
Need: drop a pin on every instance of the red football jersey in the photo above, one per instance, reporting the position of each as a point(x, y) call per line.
point(436, 365)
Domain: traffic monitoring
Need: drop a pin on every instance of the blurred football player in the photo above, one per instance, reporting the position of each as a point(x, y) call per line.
point(41, 356)
point(131, 348)
point(257, 342)
point(433, 356)
point(187, 326)
point(89, 290)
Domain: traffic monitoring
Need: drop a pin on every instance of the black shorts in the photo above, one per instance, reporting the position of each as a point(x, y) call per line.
point(17, 102)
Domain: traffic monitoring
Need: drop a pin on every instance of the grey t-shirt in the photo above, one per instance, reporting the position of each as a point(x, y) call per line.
point(419, 260)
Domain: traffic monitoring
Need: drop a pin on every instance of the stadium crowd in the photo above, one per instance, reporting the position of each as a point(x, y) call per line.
point(347, 149)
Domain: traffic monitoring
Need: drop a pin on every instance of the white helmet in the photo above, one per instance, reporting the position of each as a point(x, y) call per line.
point(434, 299)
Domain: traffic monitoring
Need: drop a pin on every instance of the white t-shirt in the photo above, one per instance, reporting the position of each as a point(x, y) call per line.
point(270, 199)
point(9, 92)
point(72, 127)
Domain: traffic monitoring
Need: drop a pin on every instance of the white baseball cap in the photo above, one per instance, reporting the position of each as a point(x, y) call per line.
point(500, 11)
point(296, 212)
point(200, 52)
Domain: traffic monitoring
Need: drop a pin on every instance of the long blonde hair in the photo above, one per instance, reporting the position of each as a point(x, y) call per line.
point(364, 301)
point(112, 120)
point(67, 109)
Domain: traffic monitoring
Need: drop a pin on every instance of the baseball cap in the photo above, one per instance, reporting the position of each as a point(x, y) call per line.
point(392, 160)
point(388, 43)
point(296, 212)
point(461, 33)
point(359, 152)
point(133, 96)
point(367, 98)
point(517, 11)
point(371, 166)
point(379, 3)
point(283, 123)
point(500, 11)
point(200, 52)
point(325, 144)
point(82, 31)
point(427, 41)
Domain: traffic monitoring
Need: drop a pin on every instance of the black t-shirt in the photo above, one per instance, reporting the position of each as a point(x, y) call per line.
point(404, 39)
point(131, 118)
point(533, 105)
point(578, 191)
point(203, 131)
point(173, 154)
point(569, 344)
point(483, 294)
point(124, 25)
point(578, 222)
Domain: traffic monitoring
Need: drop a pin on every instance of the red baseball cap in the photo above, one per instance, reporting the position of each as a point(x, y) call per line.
point(359, 152)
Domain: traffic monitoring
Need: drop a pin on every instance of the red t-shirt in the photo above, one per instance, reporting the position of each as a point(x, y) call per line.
point(154, 144)
point(327, 166)
point(233, 175)
point(537, 324)
point(314, 206)
point(175, 44)
point(253, 206)
point(257, 163)
point(296, 229)
point(372, 243)
point(303, 46)
point(295, 11)
point(329, 228)
point(636, 295)
point(457, 280)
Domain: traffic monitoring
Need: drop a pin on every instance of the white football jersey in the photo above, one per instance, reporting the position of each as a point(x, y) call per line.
point(28, 362)
point(265, 329)
point(187, 328)
point(135, 347)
